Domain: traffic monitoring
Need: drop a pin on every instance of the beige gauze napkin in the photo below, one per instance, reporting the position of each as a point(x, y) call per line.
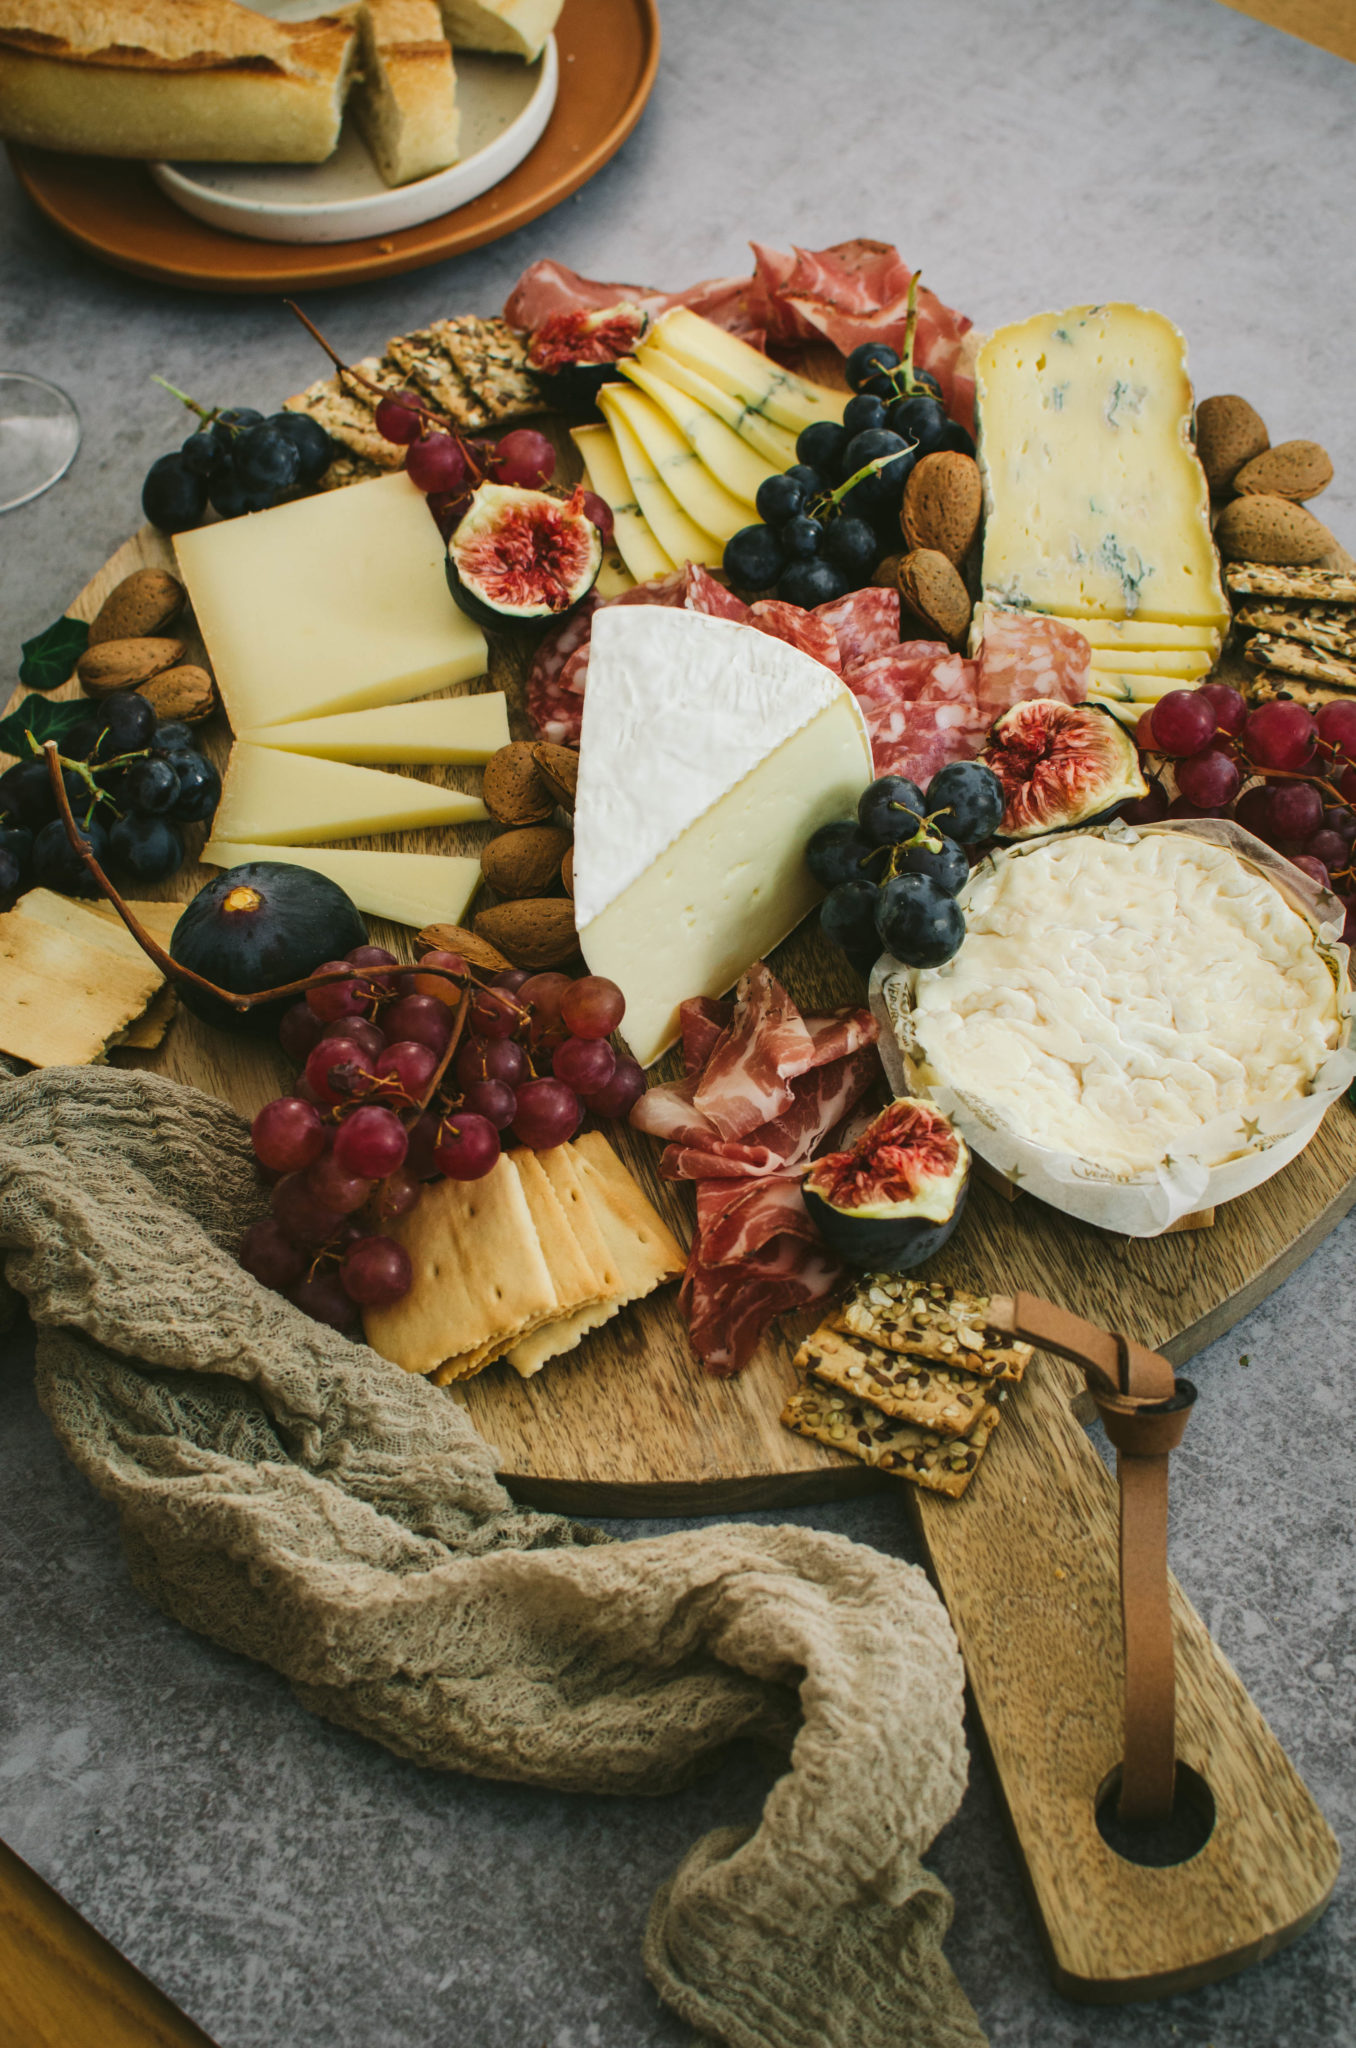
point(291, 1495)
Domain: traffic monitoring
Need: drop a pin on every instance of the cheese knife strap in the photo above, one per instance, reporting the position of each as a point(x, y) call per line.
point(1145, 1408)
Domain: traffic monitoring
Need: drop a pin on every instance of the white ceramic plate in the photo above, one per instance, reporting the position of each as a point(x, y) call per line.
point(505, 106)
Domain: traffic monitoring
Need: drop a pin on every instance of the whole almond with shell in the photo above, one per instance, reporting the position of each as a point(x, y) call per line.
point(1292, 469)
point(454, 938)
point(124, 664)
point(185, 691)
point(512, 787)
point(525, 861)
point(1271, 529)
point(934, 590)
point(943, 504)
point(558, 768)
point(143, 603)
point(536, 932)
point(1228, 434)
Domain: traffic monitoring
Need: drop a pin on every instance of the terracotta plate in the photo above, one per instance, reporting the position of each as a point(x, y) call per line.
point(609, 52)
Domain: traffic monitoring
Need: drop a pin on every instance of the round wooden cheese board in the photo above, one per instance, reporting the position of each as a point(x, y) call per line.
point(629, 1424)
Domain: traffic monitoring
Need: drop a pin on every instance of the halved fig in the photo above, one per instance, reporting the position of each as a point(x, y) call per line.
point(516, 556)
point(896, 1196)
point(1060, 764)
point(575, 354)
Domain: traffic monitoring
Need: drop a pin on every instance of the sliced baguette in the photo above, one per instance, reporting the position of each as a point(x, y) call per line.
point(514, 28)
point(405, 102)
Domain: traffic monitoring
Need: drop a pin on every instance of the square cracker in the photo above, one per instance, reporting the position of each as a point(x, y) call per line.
point(564, 1332)
point(346, 410)
point(101, 990)
point(914, 1390)
point(480, 1276)
point(941, 1464)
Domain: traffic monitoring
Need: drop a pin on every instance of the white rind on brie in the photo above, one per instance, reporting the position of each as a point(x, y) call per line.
point(1172, 995)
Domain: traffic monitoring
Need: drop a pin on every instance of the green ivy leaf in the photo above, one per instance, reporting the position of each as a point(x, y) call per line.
point(41, 717)
point(51, 656)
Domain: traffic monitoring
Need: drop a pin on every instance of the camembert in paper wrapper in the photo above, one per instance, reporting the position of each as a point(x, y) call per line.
point(1140, 1024)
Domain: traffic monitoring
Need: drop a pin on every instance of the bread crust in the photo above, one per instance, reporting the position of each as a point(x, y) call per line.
point(173, 35)
point(406, 101)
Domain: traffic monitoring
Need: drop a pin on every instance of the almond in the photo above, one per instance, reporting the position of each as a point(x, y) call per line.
point(453, 938)
point(124, 664)
point(932, 587)
point(558, 768)
point(1271, 529)
point(567, 871)
point(144, 602)
point(526, 861)
point(513, 791)
point(887, 573)
point(943, 501)
point(1228, 434)
point(184, 691)
point(1292, 469)
point(536, 932)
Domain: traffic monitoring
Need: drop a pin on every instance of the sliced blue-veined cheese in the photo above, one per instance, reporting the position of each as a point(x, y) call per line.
point(277, 799)
point(1132, 686)
point(603, 473)
point(754, 379)
point(1095, 503)
point(733, 463)
point(1187, 663)
point(334, 603)
point(776, 443)
point(677, 464)
point(1109, 639)
point(680, 537)
point(408, 888)
point(709, 754)
point(448, 730)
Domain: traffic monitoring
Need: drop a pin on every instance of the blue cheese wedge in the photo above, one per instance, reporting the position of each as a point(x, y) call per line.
point(1096, 506)
point(709, 754)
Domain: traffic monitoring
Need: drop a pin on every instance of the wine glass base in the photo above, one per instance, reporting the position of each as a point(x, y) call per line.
point(39, 437)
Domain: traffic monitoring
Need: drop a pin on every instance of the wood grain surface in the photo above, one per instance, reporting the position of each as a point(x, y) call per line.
point(1027, 1562)
point(63, 1986)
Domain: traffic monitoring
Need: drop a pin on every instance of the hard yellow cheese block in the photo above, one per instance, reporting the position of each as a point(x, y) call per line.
point(334, 603)
point(277, 799)
point(1096, 506)
point(709, 754)
point(454, 730)
point(408, 888)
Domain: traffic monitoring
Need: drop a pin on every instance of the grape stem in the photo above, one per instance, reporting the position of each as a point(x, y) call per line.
point(828, 501)
point(174, 970)
point(207, 414)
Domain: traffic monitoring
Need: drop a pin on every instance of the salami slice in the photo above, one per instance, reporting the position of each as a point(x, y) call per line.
point(924, 736)
point(552, 703)
point(865, 622)
point(807, 630)
point(1028, 654)
point(702, 593)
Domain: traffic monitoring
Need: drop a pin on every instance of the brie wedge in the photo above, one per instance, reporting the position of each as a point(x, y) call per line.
point(709, 754)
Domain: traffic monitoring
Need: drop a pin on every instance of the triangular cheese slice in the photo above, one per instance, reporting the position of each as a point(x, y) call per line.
point(709, 754)
point(446, 729)
point(408, 888)
point(282, 799)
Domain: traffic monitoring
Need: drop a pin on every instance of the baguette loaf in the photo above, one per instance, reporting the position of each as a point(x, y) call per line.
point(405, 102)
point(204, 80)
point(516, 28)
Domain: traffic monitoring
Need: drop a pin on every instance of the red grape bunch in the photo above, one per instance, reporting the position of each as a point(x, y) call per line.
point(390, 1098)
point(447, 466)
point(1286, 774)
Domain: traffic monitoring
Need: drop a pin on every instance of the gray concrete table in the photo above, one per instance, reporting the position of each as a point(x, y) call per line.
point(288, 1883)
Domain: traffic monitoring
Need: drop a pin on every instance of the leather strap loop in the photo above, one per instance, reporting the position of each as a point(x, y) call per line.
point(1145, 1410)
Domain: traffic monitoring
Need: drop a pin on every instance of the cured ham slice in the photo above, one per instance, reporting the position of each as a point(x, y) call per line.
point(856, 291)
point(1024, 655)
point(763, 1089)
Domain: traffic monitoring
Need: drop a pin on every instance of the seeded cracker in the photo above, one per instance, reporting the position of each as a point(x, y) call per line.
point(1312, 586)
point(930, 1396)
point(345, 409)
point(941, 1464)
point(923, 1319)
point(493, 361)
point(425, 363)
point(1290, 659)
point(349, 469)
point(1332, 630)
point(479, 1278)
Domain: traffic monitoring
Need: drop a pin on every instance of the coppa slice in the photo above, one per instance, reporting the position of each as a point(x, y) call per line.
point(740, 468)
point(282, 799)
point(709, 753)
point(450, 730)
point(1096, 504)
point(680, 537)
point(335, 603)
point(677, 464)
point(408, 888)
point(604, 475)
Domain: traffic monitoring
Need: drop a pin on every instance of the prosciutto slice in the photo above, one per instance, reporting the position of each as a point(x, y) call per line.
point(763, 1088)
point(855, 291)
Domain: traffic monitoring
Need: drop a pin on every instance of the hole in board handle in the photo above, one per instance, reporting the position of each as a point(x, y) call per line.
point(1159, 1844)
